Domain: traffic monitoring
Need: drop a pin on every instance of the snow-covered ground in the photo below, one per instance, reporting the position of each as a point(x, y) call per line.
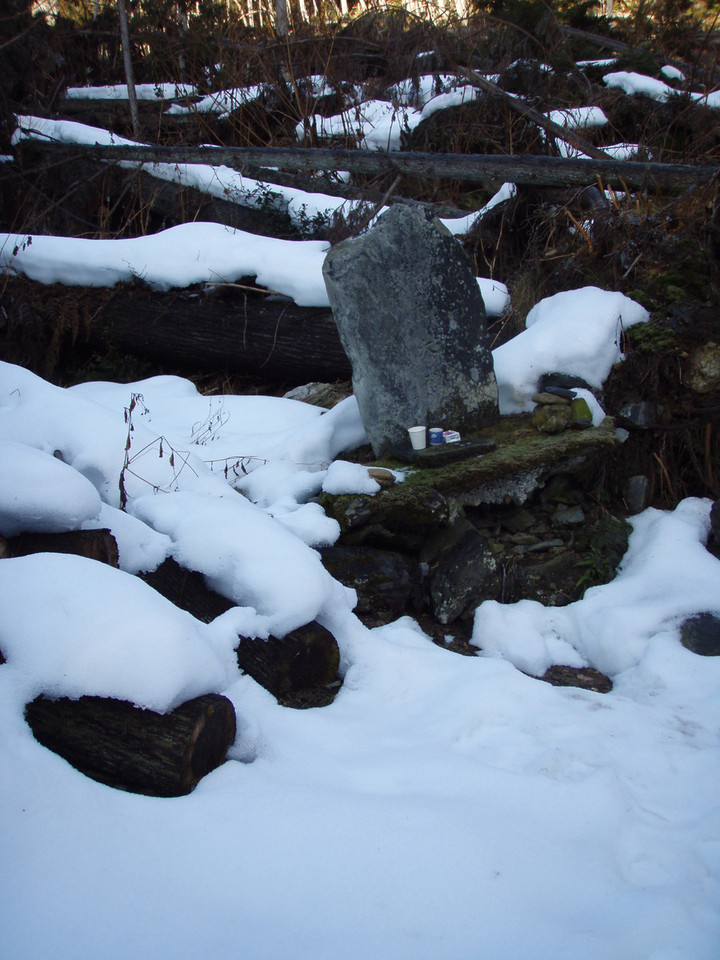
point(442, 806)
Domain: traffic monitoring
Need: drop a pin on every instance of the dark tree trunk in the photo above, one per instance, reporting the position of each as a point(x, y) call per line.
point(117, 743)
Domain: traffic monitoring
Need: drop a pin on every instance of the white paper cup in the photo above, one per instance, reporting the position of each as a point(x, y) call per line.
point(418, 437)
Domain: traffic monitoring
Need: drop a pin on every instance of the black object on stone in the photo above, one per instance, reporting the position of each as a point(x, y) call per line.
point(443, 453)
point(412, 322)
point(566, 380)
point(564, 392)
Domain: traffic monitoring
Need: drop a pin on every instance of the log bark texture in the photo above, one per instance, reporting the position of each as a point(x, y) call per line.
point(288, 667)
point(533, 170)
point(234, 330)
point(117, 743)
point(304, 659)
point(182, 204)
point(94, 544)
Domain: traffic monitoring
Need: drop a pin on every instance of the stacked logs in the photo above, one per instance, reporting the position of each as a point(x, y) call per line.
point(166, 755)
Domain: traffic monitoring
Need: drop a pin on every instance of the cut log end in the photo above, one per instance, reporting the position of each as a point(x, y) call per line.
point(304, 659)
point(124, 746)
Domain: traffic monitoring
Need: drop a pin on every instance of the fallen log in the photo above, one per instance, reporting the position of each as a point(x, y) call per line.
point(234, 330)
point(97, 545)
point(291, 667)
point(178, 203)
point(533, 170)
point(123, 746)
point(224, 328)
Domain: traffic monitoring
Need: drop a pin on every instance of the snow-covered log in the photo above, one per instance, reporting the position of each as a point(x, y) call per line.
point(306, 659)
point(226, 327)
point(94, 544)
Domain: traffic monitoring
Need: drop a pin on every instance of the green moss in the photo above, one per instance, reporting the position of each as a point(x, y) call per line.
point(608, 545)
point(434, 495)
point(652, 338)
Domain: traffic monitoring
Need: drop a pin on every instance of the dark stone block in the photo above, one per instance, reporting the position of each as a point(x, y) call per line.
point(701, 634)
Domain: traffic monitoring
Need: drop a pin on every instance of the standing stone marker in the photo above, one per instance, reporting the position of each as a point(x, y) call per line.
point(412, 321)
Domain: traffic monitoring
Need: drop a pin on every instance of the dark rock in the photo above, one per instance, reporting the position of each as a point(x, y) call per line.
point(569, 515)
point(412, 322)
point(585, 677)
point(714, 542)
point(701, 634)
point(643, 415)
point(462, 571)
point(561, 488)
point(519, 521)
point(636, 495)
point(386, 582)
point(566, 380)
point(552, 581)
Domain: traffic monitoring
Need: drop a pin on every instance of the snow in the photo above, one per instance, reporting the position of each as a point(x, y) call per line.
point(41, 494)
point(450, 98)
point(649, 597)
point(222, 102)
point(417, 92)
point(577, 332)
point(143, 91)
point(637, 83)
point(672, 73)
point(303, 207)
point(377, 124)
point(442, 806)
point(177, 257)
point(579, 118)
point(345, 477)
point(91, 628)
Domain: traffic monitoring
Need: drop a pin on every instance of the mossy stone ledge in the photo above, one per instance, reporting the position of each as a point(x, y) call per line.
point(434, 496)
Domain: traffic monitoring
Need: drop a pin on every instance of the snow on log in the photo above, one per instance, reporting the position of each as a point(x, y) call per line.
point(306, 659)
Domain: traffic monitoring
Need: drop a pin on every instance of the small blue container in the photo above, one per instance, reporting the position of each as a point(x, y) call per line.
point(436, 435)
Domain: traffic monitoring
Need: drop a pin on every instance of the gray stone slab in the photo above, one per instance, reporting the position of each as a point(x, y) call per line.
point(412, 322)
